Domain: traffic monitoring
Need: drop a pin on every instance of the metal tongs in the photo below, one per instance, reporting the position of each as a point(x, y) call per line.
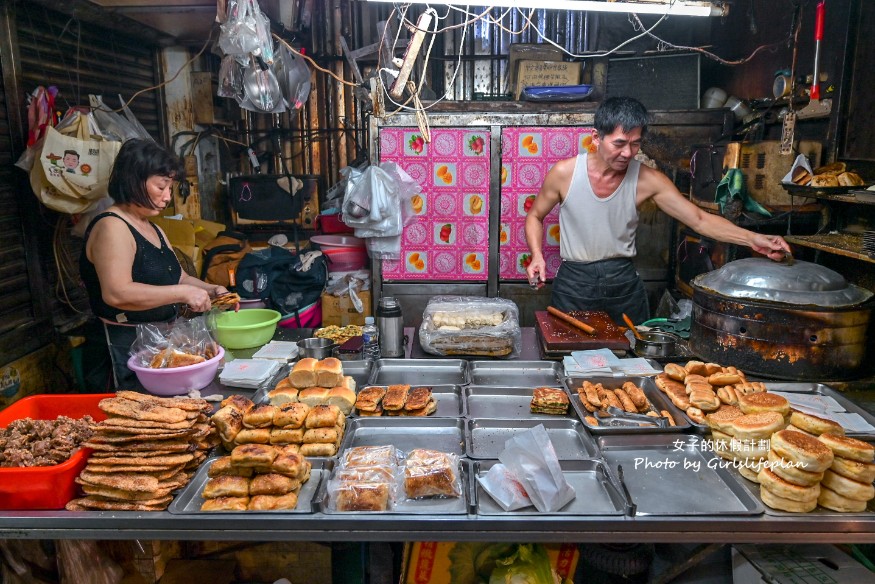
point(620, 481)
point(622, 417)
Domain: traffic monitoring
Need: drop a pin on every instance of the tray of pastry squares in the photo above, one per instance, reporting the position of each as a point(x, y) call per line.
point(254, 478)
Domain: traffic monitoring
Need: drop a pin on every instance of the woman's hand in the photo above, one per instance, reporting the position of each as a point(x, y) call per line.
point(196, 298)
point(218, 291)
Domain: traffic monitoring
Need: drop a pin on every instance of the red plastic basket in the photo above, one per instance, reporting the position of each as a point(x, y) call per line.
point(47, 487)
point(332, 224)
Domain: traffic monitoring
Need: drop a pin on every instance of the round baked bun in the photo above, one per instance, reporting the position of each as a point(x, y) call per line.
point(832, 500)
point(862, 472)
point(778, 486)
point(722, 419)
point(754, 426)
point(750, 473)
point(718, 436)
point(791, 472)
point(753, 450)
point(782, 504)
point(800, 430)
point(815, 425)
point(849, 447)
point(797, 447)
point(847, 487)
point(754, 403)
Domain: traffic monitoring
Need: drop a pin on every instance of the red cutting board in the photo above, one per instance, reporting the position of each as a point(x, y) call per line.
point(559, 336)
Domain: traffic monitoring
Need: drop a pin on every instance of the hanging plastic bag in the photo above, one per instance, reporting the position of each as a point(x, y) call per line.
point(238, 35)
point(377, 204)
point(40, 116)
point(114, 127)
point(230, 78)
point(72, 171)
point(294, 77)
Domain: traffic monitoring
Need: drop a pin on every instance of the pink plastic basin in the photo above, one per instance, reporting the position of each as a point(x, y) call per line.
point(177, 380)
point(346, 259)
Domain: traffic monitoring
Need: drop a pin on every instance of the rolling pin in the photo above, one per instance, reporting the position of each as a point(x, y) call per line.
point(567, 318)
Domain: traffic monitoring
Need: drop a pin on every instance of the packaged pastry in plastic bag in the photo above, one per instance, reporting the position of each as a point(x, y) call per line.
point(430, 473)
point(470, 325)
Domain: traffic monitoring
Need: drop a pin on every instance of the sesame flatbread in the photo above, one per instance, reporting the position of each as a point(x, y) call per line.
point(119, 431)
point(144, 446)
point(159, 461)
point(161, 475)
point(92, 503)
point(122, 494)
point(122, 439)
point(130, 423)
point(183, 403)
point(122, 480)
point(142, 410)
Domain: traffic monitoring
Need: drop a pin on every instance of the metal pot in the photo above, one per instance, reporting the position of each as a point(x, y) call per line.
point(653, 344)
point(801, 321)
point(317, 348)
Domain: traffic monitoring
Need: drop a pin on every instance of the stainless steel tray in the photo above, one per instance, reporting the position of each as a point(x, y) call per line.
point(657, 399)
point(672, 475)
point(754, 490)
point(448, 398)
point(595, 493)
point(516, 373)
point(505, 402)
point(420, 372)
point(443, 434)
point(189, 501)
point(825, 390)
point(485, 437)
point(358, 370)
point(403, 506)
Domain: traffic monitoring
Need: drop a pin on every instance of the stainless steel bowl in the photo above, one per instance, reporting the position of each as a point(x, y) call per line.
point(653, 344)
point(317, 348)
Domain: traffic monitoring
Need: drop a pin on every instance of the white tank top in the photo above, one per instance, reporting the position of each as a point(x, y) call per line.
point(592, 228)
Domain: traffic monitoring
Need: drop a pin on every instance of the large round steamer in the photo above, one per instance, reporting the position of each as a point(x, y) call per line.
point(798, 321)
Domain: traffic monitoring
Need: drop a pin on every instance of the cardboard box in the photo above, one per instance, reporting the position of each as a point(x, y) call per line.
point(339, 310)
point(430, 562)
point(795, 564)
point(189, 236)
point(546, 73)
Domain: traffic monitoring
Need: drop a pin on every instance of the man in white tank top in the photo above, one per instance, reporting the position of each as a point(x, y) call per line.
point(598, 197)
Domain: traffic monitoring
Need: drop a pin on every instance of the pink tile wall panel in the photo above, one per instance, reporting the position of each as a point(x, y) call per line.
point(449, 239)
point(527, 154)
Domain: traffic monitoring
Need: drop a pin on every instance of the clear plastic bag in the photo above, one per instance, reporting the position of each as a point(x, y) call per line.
point(230, 78)
point(378, 200)
point(470, 325)
point(432, 474)
point(156, 342)
point(238, 34)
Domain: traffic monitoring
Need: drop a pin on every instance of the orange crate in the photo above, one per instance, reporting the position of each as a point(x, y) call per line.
point(46, 487)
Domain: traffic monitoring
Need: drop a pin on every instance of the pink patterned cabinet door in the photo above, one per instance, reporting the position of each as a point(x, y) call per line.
point(449, 238)
point(527, 154)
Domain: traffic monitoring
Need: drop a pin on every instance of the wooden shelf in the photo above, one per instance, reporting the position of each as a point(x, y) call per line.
point(843, 244)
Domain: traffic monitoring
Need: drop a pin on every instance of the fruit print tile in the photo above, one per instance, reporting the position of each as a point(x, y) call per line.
point(474, 263)
point(473, 235)
point(447, 143)
point(444, 174)
point(505, 174)
point(446, 204)
point(530, 144)
point(444, 234)
point(524, 203)
point(474, 174)
point(523, 260)
point(419, 204)
point(446, 265)
point(416, 262)
point(584, 143)
point(551, 234)
point(414, 145)
point(504, 234)
point(476, 144)
point(474, 206)
point(390, 144)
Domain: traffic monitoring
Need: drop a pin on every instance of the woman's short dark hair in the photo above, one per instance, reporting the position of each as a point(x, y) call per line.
point(137, 160)
point(625, 113)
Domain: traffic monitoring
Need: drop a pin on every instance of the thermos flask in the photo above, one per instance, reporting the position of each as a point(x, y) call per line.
point(391, 326)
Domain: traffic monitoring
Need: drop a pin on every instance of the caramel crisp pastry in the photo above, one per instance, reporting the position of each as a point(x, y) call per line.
point(147, 448)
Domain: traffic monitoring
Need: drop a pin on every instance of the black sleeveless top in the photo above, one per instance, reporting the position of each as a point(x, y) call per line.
point(152, 265)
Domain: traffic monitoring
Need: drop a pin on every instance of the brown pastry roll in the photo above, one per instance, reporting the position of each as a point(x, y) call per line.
point(322, 417)
point(291, 415)
point(253, 436)
point(225, 504)
point(273, 503)
point(260, 416)
point(253, 455)
point(226, 486)
point(272, 484)
point(286, 435)
point(224, 466)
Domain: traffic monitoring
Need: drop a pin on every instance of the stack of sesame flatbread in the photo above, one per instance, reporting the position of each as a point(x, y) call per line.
point(147, 448)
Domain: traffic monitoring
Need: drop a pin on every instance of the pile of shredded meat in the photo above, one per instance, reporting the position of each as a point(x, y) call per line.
point(30, 442)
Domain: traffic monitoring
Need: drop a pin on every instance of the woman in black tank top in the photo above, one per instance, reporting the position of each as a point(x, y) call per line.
point(129, 269)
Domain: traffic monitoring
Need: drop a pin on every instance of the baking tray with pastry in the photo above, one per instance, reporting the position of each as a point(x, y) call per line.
point(821, 400)
point(234, 492)
point(611, 405)
point(406, 434)
point(515, 373)
point(434, 401)
point(676, 475)
point(419, 481)
point(511, 403)
point(420, 372)
point(595, 493)
point(485, 437)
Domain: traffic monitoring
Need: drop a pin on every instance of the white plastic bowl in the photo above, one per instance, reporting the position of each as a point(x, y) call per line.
point(338, 240)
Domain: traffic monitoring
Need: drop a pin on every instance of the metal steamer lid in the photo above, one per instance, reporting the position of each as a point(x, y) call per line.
point(799, 283)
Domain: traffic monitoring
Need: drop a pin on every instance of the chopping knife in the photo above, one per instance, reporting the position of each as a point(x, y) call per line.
point(568, 319)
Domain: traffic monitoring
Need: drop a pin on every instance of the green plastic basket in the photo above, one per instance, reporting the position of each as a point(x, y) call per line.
point(246, 329)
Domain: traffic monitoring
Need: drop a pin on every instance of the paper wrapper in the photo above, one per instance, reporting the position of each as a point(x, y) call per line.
point(802, 161)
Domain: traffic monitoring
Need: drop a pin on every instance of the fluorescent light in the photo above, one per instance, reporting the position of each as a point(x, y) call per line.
point(674, 8)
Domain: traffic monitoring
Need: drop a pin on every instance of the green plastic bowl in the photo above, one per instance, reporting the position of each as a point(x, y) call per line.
point(247, 328)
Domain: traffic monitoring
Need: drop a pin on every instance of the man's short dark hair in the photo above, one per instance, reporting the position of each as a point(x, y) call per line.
point(73, 152)
point(138, 160)
point(625, 113)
